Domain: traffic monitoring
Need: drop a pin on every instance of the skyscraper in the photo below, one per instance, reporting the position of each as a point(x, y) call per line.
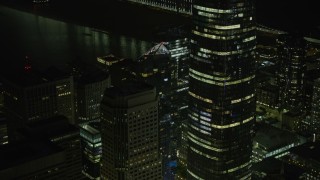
point(291, 72)
point(129, 133)
point(313, 122)
point(222, 99)
point(157, 68)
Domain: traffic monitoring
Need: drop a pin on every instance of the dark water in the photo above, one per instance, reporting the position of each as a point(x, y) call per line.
point(50, 42)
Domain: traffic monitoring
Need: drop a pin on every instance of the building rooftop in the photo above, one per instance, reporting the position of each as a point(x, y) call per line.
point(24, 151)
point(50, 128)
point(310, 151)
point(92, 76)
point(272, 138)
point(273, 168)
point(293, 113)
point(92, 128)
point(292, 40)
point(109, 59)
point(269, 87)
point(52, 73)
point(33, 77)
point(127, 88)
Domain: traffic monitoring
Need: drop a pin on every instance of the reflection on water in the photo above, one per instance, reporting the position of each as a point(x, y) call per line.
point(51, 42)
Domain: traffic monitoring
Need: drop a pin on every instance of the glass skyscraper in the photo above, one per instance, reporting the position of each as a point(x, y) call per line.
point(222, 98)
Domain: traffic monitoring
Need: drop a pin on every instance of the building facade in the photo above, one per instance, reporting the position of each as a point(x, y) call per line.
point(31, 96)
point(221, 90)
point(156, 67)
point(91, 148)
point(129, 132)
point(42, 160)
point(89, 92)
point(313, 122)
point(61, 133)
point(291, 72)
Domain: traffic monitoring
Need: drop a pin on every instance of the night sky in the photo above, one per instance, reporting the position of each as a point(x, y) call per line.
point(289, 15)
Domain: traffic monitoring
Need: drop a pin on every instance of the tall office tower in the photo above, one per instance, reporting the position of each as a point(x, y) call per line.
point(31, 96)
point(60, 132)
point(313, 123)
point(176, 41)
point(179, 47)
point(221, 89)
point(129, 132)
point(291, 72)
point(156, 67)
point(91, 148)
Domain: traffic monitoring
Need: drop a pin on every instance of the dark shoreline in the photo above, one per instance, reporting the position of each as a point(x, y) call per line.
point(113, 16)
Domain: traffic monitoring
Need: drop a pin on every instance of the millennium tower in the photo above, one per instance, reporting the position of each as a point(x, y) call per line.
point(221, 92)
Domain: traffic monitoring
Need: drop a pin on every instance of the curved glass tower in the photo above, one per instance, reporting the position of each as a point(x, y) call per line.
point(222, 99)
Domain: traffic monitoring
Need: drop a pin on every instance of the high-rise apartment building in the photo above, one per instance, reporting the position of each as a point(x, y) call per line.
point(129, 132)
point(291, 72)
point(221, 89)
